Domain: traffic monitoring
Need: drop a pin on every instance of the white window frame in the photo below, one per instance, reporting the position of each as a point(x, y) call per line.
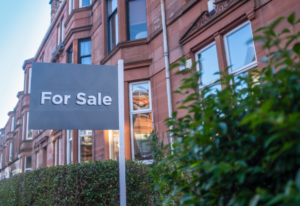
point(27, 125)
point(10, 151)
point(59, 151)
point(79, 144)
point(12, 124)
point(29, 80)
point(198, 69)
point(23, 127)
point(69, 145)
point(80, 3)
point(37, 160)
point(27, 169)
point(246, 67)
point(132, 112)
point(55, 153)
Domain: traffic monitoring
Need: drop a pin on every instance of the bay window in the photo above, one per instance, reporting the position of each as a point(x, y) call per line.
point(23, 127)
point(112, 24)
point(29, 80)
point(12, 124)
point(141, 120)
point(27, 163)
point(137, 22)
point(58, 35)
point(69, 146)
point(85, 145)
point(62, 30)
point(10, 151)
point(85, 51)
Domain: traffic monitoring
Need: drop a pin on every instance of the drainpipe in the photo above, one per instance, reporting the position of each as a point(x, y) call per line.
point(166, 54)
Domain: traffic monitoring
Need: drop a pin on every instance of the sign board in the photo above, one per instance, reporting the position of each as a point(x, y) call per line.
point(73, 96)
point(76, 96)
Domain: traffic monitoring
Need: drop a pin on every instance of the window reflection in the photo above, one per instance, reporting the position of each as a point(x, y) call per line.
point(114, 144)
point(112, 18)
point(86, 145)
point(85, 51)
point(140, 96)
point(137, 19)
point(241, 48)
point(142, 127)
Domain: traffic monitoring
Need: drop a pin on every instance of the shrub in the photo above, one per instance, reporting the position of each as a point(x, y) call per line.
point(241, 145)
point(94, 183)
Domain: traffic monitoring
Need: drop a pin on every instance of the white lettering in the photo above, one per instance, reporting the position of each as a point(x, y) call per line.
point(107, 100)
point(44, 97)
point(80, 96)
point(99, 98)
point(66, 99)
point(91, 101)
point(55, 97)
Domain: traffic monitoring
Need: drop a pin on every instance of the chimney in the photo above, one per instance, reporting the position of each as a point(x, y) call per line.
point(54, 7)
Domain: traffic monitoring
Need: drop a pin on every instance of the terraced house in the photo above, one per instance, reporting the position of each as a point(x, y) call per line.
point(149, 35)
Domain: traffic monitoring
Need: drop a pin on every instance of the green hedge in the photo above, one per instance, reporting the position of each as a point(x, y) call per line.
point(95, 183)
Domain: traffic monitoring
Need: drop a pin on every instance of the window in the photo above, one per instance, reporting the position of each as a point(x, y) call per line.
point(25, 82)
point(85, 144)
point(141, 120)
point(58, 35)
point(85, 51)
point(1, 160)
point(55, 153)
point(62, 30)
point(23, 127)
point(69, 146)
point(208, 65)
point(29, 80)
point(71, 6)
point(211, 5)
point(12, 123)
point(137, 21)
point(10, 151)
point(70, 55)
point(239, 47)
point(27, 163)
point(29, 131)
point(112, 24)
point(42, 57)
point(114, 145)
point(37, 160)
point(84, 3)
point(59, 151)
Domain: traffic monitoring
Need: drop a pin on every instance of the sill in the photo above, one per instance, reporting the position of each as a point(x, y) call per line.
point(122, 45)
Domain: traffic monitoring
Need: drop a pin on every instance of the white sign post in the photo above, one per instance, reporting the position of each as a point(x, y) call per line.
point(122, 166)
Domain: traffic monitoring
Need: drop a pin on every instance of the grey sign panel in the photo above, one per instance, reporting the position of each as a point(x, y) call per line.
point(74, 96)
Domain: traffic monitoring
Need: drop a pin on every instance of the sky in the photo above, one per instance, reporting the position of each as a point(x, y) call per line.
point(23, 24)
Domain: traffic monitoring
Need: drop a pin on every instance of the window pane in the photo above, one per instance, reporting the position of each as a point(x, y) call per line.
point(140, 96)
point(112, 6)
point(86, 145)
point(86, 60)
point(85, 48)
point(137, 19)
point(142, 127)
point(114, 144)
point(113, 31)
point(85, 132)
point(241, 50)
point(28, 162)
point(85, 3)
point(208, 65)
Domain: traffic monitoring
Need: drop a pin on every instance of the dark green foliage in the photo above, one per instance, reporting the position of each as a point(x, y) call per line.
point(95, 183)
point(239, 146)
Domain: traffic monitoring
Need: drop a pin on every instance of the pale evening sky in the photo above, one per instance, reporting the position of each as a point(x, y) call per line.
point(23, 24)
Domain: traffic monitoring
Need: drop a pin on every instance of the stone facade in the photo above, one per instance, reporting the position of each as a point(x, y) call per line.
point(78, 33)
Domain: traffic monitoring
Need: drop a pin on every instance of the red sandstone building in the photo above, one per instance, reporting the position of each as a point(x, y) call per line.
point(103, 31)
